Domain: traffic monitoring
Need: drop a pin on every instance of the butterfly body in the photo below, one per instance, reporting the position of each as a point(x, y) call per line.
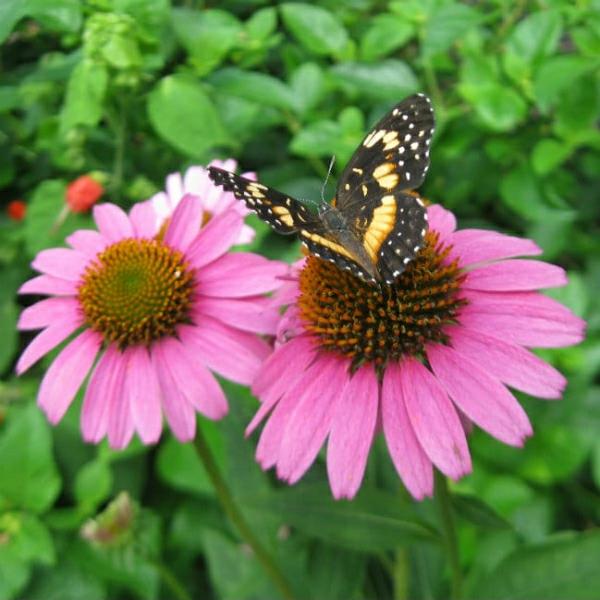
point(376, 224)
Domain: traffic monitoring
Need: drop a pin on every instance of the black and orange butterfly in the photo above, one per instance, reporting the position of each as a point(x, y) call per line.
point(376, 224)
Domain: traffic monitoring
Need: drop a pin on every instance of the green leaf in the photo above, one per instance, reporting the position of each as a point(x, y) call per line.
point(84, 100)
point(447, 24)
point(521, 192)
point(386, 80)
point(14, 573)
point(315, 28)
point(499, 107)
point(66, 582)
point(477, 512)
point(43, 226)
point(317, 139)
point(307, 85)
point(256, 87)
point(549, 154)
point(563, 567)
point(535, 36)
point(207, 35)
point(185, 117)
point(8, 331)
point(31, 541)
point(93, 484)
point(373, 521)
point(29, 478)
point(262, 23)
point(385, 34)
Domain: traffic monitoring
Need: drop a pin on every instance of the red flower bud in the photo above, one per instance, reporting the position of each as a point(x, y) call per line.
point(16, 210)
point(83, 193)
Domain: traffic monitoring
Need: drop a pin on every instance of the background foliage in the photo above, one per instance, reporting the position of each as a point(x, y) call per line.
point(135, 89)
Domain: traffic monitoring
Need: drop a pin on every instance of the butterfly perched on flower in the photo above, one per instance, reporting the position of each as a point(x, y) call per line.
point(376, 223)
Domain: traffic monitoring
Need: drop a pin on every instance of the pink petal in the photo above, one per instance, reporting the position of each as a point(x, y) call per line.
point(99, 395)
point(66, 374)
point(215, 238)
point(246, 314)
point(196, 181)
point(240, 274)
point(46, 284)
point(310, 422)
point(48, 311)
point(525, 319)
point(194, 380)
point(113, 222)
point(234, 354)
point(411, 462)
point(142, 391)
point(120, 421)
point(510, 363)
point(481, 397)
point(515, 275)
point(352, 433)
point(472, 246)
point(61, 262)
point(434, 420)
point(292, 358)
point(185, 223)
point(180, 414)
point(174, 187)
point(143, 218)
point(441, 220)
point(45, 341)
point(88, 242)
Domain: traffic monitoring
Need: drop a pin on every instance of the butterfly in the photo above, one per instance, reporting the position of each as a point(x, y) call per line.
point(376, 223)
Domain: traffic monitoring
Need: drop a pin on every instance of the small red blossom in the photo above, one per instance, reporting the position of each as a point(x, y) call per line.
point(16, 210)
point(83, 193)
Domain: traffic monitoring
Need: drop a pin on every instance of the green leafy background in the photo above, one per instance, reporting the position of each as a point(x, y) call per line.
point(136, 89)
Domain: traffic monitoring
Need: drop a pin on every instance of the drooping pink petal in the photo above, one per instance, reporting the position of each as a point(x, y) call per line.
point(352, 432)
point(174, 187)
point(434, 419)
point(216, 237)
point(253, 315)
point(185, 223)
point(143, 218)
point(472, 246)
point(479, 395)
point(180, 414)
point(113, 222)
point(510, 363)
point(411, 462)
point(88, 242)
point(120, 421)
point(45, 341)
point(66, 374)
point(46, 284)
point(194, 380)
point(441, 220)
point(269, 386)
point(47, 311)
point(310, 422)
point(515, 275)
point(240, 274)
point(142, 391)
point(234, 354)
point(61, 262)
point(99, 395)
point(528, 319)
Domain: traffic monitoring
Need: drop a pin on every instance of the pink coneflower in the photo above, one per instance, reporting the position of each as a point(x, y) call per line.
point(421, 360)
point(214, 199)
point(154, 314)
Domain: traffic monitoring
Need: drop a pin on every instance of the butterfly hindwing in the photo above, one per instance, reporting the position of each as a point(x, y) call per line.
point(283, 213)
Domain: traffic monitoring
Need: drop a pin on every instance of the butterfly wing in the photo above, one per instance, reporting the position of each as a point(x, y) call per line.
point(374, 191)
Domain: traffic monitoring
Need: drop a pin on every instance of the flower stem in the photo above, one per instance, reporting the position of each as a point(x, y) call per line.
point(447, 518)
point(171, 581)
point(236, 517)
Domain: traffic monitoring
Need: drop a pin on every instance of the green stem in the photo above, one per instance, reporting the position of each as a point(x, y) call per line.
point(236, 517)
point(442, 496)
point(118, 124)
point(170, 581)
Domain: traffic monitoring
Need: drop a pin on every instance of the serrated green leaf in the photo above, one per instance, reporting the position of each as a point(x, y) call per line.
point(563, 567)
point(185, 117)
point(385, 34)
point(29, 478)
point(317, 29)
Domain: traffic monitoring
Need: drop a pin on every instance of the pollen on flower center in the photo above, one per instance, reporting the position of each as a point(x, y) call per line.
point(381, 323)
point(136, 291)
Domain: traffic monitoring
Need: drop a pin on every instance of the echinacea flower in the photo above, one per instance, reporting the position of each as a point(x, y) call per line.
point(422, 359)
point(214, 199)
point(153, 315)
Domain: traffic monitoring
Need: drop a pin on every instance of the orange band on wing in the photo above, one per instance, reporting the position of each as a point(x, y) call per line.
point(383, 221)
point(319, 239)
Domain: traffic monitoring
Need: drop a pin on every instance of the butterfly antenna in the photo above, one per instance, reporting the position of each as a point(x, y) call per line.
point(331, 163)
